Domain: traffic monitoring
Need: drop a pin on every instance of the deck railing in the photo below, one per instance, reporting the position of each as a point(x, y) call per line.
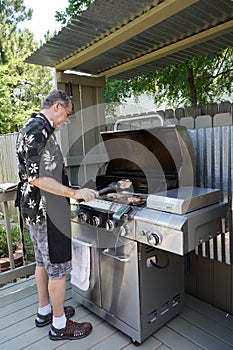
point(6, 197)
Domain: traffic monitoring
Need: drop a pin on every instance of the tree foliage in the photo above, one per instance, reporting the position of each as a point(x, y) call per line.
point(12, 12)
point(21, 85)
point(201, 80)
point(75, 7)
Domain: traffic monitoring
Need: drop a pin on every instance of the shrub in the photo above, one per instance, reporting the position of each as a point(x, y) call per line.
point(16, 237)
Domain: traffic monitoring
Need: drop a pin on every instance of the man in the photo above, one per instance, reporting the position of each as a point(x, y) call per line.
point(44, 205)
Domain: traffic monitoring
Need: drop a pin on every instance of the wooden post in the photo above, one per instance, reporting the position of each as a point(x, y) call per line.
point(4, 198)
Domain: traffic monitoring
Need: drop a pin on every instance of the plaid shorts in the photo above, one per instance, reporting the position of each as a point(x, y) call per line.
point(39, 238)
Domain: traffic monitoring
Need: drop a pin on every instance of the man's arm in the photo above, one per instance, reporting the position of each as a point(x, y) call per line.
point(49, 184)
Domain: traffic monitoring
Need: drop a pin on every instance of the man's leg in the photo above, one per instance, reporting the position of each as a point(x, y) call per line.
point(57, 291)
point(41, 277)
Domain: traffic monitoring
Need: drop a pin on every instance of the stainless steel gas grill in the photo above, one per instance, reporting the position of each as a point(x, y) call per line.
point(137, 237)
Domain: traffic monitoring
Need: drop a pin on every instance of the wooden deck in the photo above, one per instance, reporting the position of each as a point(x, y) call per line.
point(200, 326)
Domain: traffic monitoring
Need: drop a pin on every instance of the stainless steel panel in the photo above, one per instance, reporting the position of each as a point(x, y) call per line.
point(161, 287)
point(183, 199)
point(178, 233)
point(88, 234)
point(120, 283)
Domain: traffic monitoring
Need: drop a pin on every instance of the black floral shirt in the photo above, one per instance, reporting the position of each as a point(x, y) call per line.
point(38, 155)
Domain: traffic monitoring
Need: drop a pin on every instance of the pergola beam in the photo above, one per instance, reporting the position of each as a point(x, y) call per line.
point(147, 20)
point(171, 49)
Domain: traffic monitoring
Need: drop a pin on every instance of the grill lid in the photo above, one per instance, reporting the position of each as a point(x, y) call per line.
point(183, 199)
point(155, 153)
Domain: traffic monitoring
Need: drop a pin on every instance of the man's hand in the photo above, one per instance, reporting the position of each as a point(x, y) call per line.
point(86, 194)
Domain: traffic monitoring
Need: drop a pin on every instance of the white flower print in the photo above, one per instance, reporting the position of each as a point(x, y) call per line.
point(28, 141)
point(31, 203)
point(42, 205)
point(20, 145)
point(24, 176)
point(28, 220)
point(49, 161)
point(30, 178)
point(27, 188)
point(33, 168)
point(44, 132)
point(38, 219)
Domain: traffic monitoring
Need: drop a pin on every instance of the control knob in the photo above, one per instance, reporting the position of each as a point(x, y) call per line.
point(110, 224)
point(82, 217)
point(154, 238)
point(95, 221)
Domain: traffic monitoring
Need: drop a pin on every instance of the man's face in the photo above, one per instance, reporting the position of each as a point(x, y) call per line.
point(63, 114)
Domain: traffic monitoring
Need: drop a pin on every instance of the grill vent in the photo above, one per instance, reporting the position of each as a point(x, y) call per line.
point(152, 316)
point(164, 308)
point(176, 300)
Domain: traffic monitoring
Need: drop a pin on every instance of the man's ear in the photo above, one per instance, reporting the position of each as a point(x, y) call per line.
point(57, 105)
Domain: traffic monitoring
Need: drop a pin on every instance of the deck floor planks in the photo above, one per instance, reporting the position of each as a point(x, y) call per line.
point(211, 312)
point(197, 335)
point(175, 340)
point(210, 326)
point(116, 341)
point(198, 327)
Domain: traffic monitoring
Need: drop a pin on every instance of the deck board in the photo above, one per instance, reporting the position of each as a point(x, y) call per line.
point(197, 335)
point(175, 340)
point(199, 327)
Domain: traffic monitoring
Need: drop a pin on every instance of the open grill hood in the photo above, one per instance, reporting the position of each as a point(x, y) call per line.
point(155, 153)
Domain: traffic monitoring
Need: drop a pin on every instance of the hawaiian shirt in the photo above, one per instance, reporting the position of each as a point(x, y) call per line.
point(38, 155)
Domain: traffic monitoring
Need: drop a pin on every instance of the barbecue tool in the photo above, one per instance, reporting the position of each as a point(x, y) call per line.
point(118, 186)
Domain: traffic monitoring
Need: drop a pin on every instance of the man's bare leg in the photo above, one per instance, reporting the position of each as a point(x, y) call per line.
point(41, 277)
point(57, 291)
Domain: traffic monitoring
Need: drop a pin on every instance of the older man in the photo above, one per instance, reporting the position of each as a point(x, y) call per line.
point(44, 205)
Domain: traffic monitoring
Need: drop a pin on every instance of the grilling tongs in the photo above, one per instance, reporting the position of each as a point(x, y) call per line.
point(120, 185)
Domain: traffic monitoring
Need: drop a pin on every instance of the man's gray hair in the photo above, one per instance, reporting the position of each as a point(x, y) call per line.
point(54, 96)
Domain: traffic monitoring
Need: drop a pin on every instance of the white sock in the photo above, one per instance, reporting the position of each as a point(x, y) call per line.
point(45, 310)
point(59, 322)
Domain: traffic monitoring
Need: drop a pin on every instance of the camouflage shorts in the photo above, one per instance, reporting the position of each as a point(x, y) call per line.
point(39, 238)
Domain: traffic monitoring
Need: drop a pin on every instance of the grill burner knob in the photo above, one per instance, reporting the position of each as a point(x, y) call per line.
point(95, 221)
point(82, 217)
point(110, 224)
point(154, 238)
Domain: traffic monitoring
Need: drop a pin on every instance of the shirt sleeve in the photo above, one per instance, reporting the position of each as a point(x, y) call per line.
point(39, 153)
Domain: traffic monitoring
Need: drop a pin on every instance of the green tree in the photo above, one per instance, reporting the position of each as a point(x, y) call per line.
point(201, 80)
point(12, 12)
point(21, 85)
point(75, 7)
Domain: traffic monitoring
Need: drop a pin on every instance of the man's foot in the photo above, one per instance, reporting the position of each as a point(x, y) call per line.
point(42, 320)
point(73, 330)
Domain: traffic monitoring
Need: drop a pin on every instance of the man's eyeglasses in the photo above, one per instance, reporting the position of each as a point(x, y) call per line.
point(67, 111)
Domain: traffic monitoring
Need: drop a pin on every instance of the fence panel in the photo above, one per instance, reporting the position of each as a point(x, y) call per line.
point(8, 164)
point(213, 149)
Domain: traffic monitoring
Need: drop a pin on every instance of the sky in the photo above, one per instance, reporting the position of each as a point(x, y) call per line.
point(43, 16)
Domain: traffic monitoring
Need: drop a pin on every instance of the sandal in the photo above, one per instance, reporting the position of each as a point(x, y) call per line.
point(73, 330)
point(44, 320)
